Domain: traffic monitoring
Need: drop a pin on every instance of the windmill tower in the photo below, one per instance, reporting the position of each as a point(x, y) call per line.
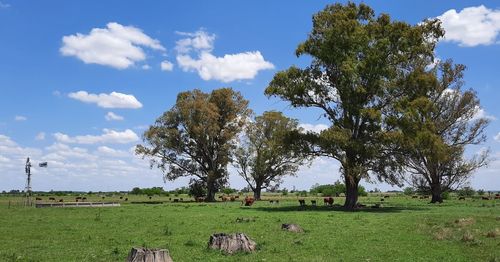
point(27, 189)
point(28, 194)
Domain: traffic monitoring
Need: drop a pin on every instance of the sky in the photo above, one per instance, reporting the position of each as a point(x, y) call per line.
point(80, 81)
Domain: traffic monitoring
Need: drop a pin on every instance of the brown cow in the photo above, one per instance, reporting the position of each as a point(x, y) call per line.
point(248, 201)
point(302, 202)
point(313, 203)
point(328, 201)
point(38, 198)
point(461, 198)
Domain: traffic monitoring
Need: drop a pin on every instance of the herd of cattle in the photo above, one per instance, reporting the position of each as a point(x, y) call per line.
point(249, 201)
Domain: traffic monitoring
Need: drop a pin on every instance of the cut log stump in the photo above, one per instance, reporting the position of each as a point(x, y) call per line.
point(141, 254)
point(232, 243)
point(292, 228)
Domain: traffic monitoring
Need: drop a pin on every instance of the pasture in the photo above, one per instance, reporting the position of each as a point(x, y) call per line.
point(404, 229)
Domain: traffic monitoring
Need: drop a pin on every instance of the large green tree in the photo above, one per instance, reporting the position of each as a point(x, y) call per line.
point(356, 60)
point(263, 157)
point(196, 137)
point(437, 120)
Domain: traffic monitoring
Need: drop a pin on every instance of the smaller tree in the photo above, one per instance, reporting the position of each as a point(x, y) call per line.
point(263, 157)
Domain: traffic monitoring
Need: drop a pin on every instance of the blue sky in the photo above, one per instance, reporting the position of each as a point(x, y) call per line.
point(80, 80)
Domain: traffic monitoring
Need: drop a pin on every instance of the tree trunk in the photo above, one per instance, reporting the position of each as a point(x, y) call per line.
point(351, 196)
point(210, 191)
point(256, 192)
point(436, 193)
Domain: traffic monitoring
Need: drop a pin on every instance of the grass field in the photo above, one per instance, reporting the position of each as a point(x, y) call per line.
point(405, 229)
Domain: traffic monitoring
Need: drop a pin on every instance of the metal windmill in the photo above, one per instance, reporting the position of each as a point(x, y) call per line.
point(27, 190)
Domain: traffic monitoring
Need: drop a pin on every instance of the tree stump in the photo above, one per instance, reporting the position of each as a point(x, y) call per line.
point(231, 243)
point(140, 254)
point(292, 228)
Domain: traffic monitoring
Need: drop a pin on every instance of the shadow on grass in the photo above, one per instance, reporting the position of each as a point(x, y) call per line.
point(368, 209)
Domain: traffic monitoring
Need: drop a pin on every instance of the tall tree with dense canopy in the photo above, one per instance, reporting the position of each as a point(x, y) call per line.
point(263, 158)
point(196, 137)
point(437, 120)
point(356, 59)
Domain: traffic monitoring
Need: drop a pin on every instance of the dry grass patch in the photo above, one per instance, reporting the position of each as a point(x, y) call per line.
point(468, 237)
point(493, 233)
point(465, 221)
point(443, 233)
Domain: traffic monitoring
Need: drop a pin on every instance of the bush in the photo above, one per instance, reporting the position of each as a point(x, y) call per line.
point(466, 191)
point(409, 191)
point(362, 191)
point(197, 188)
point(445, 195)
point(480, 192)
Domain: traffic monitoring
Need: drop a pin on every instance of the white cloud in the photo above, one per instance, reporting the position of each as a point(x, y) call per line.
point(112, 100)
point(146, 67)
point(472, 26)
point(199, 40)
point(107, 151)
point(40, 136)
point(20, 118)
point(110, 116)
point(108, 136)
point(314, 128)
point(497, 137)
point(481, 113)
point(166, 66)
point(228, 68)
point(116, 45)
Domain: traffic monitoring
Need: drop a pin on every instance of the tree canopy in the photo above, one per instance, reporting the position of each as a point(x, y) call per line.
point(357, 59)
point(263, 157)
point(196, 137)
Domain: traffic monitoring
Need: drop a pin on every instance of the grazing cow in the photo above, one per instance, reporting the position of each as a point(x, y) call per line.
point(181, 199)
point(200, 199)
point(248, 201)
point(38, 198)
point(84, 199)
point(52, 198)
point(277, 202)
point(382, 200)
point(225, 199)
point(76, 198)
point(271, 201)
point(232, 198)
point(485, 198)
point(150, 197)
point(414, 196)
point(169, 199)
point(497, 196)
point(103, 197)
point(302, 202)
point(121, 197)
point(328, 201)
point(176, 200)
point(313, 203)
point(236, 197)
point(61, 200)
point(387, 196)
point(126, 199)
point(461, 198)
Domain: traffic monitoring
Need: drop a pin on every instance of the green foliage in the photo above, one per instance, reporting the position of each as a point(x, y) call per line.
point(264, 157)
point(197, 188)
point(334, 190)
point(445, 195)
point(148, 191)
point(466, 191)
point(228, 190)
point(195, 138)
point(409, 191)
point(480, 192)
point(358, 60)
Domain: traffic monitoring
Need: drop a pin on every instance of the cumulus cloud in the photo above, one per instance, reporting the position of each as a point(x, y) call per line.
point(108, 136)
point(146, 67)
point(107, 151)
point(471, 26)
point(116, 46)
point(199, 40)
point(497, 137)
point(112, 100)
point(313, 128)
point(481, 113)
point(40, 136)
point(227, 68)
point(166, 66)
point(110, 116)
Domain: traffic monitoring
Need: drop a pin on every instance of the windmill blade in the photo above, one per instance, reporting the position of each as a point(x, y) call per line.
point(43, 164)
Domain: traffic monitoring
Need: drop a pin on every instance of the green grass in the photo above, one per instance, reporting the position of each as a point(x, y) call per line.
point(404, 229)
